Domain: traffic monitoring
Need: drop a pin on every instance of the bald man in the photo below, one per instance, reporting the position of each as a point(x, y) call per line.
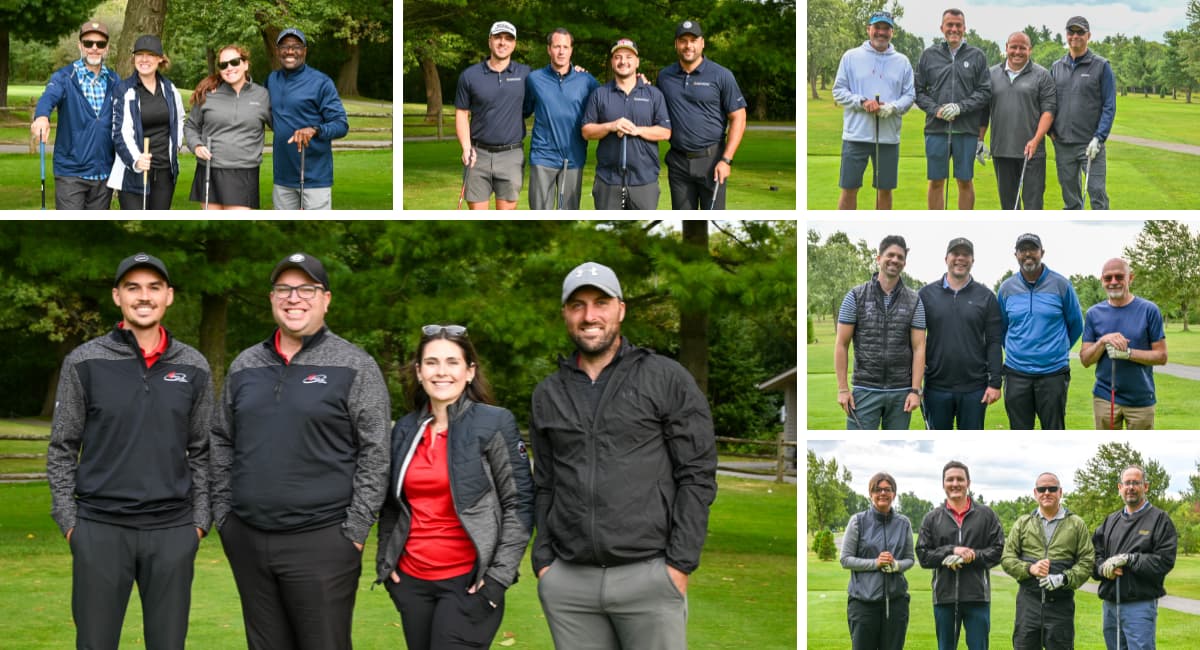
point(1124, 336)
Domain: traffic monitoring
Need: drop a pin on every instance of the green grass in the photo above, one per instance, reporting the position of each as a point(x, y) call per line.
point(1176, 409)
point(1138, 177)
point(743, 595)
point(433, 174)
point(362, 180)
point(827, 609)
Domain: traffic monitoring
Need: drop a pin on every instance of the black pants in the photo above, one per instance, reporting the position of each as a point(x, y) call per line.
point(874, 626)
point(162, 190)
point(297, 589)
point(108, 559)
point(1051, 625)
point(1042, 395)
point(1008, 178)
point(441, 614)
point(74, 193)
point(691, 180)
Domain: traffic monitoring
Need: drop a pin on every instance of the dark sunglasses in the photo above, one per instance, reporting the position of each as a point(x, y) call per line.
point(451, 330)
point(99, 45)
point(1076, 31)
point(1042, 489)
point(234, 61)
point(1113, 276)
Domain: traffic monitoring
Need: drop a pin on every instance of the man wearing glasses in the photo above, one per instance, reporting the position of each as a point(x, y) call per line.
point(83, 142)
point(1135, 550)
point(1087, 104)
point(1124, 337)
point(1049, 552)
point(308, 116)
point(300, 455)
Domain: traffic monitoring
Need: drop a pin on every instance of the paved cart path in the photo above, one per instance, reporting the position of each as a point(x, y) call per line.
point(1157, 144)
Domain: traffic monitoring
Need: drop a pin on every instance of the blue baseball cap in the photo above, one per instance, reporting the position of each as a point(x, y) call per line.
point(882, 17)
point(291, 31)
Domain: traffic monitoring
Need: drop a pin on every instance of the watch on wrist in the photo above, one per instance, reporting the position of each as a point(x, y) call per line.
point(916, 391)
point(727, 161)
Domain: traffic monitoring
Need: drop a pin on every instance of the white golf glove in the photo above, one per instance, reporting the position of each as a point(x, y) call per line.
point(886, 110)
point(982, 152)
point(1114, 353)
point(891, 567)
point(952, 561)
point(1109, 567)
point(1052, 581)
point(951, 111)
point(1093, 148)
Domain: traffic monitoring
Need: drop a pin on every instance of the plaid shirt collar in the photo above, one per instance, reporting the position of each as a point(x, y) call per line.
point(94, 86)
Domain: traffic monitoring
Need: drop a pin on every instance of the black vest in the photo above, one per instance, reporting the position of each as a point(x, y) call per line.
point(1080, 99)
point(882, 337)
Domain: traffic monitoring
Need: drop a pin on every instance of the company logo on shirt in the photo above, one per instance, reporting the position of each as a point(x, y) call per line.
point(316, 379)
point(703, 83)
point(176, 376)
point(514, 78)
point(1143, 532)
point(641, 99)
point(522, 451)
point(966, 64)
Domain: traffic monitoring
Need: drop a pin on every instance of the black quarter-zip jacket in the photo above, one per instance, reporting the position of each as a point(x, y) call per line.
point(129, 445)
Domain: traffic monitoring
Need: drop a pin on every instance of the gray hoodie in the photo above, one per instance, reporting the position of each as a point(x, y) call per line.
point(236, 123)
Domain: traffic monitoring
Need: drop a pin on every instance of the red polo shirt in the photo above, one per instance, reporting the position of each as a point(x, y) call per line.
point(437, 547)
point(153, 355)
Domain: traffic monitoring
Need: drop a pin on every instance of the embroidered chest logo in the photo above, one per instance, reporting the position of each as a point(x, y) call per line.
point(176, 376)
point(316, 379)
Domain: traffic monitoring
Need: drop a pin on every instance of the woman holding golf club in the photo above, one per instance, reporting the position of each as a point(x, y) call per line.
point(225, 129)
point(877, 549)
point(147, 131)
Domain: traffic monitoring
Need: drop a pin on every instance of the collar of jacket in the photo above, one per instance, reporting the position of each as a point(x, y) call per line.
point(305, 341)
point(567, 362)
point(883, 517)
point(126, 337)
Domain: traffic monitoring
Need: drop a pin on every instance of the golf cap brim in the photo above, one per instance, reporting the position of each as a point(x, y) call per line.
point(291, 31)
point(626, 44)
point(1029, 238)
point(141, 260)
point(880, 18)
point(961, 242)
point(1080, 22)
point(591, 274)
point(689, 27)
point(93, 26)
point(148, 43)
point(307, 263)
point(503, 27)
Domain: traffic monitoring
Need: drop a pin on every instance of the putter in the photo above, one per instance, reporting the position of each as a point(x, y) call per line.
point(42, 156)
point(1112, 397)
point(875, 165)
point(302, 148)
point(887, 605)
point(1118, 612)
point(854, 414)
point(716, 189)
point(145, 174)
point(562, 183)
point(949, 170)
point(207, 171)
point(957, 619)
point(624, 180)
point(924, 415)
point(1087, 173)
point(1021, 184)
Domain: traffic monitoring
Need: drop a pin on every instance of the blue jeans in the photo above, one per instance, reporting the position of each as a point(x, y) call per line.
point(976, 618)
point(873, 407)
point(945, 406)
point(1137, 624)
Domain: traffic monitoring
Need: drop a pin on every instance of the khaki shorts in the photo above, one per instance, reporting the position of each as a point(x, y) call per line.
point(1127, 417)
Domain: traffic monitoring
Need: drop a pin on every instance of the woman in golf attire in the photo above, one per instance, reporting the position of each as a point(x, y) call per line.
point(459, 509)
point(225, 128)
point(148, 108)
point(877, 549)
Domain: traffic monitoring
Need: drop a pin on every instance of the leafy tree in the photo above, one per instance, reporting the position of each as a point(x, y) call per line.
point(914, 507)
point(1009, 510)
point(833, 268)
point(827, 485)
point(855, 502)
point(1172, 68)
point(1096, 492)
point(759, 69)
point(1166, 266)
point(1008, 273)
point(992, 51)
point(823, 545)
point(825, 48)
point(39, 21)
point(1089, 289)
point(141, 17)
point(1046, 53)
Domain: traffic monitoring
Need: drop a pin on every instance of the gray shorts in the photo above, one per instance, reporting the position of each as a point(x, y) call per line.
point(315, 198)
point(501, 173)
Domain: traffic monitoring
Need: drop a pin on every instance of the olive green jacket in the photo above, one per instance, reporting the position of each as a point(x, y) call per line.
point(1069, 549)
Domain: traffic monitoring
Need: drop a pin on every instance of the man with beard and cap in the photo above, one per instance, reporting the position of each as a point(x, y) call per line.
point(1124, 337)
point(629, 117)
point(961, 540)
point(1021, 111)
point(83, 142)
point(964, 343)
point(1049, 552)
point(1087, 105)
point(1135, 550)
point(308, 115)
point(128, 465)
point(625, 466)
point(886, 322)
point(1042, 321)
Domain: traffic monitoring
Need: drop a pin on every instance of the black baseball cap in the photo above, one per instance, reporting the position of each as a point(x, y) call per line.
point(1079, 21)
point(148, 43)
point(1029, 238)
point(307, 263)
point(689, 27)
point(140, 260)
point(961, 241)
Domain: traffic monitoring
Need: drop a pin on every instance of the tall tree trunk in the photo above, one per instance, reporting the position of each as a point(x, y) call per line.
point(3, 67)
point(812, 83)
point(141, 17)
point(760, 108)
point(347, 81)
point(61, 349)
point(433, 90)
point(214, 314)
point(693, 323)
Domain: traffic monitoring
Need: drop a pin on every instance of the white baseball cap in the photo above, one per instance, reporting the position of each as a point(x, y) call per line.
point(503, 26)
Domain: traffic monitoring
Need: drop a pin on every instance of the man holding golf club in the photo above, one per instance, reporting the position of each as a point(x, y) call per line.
point(886, 322)
point(703, 99)
point(1049, 552)
point(1124, 337)
point(308, 116)
point(961, 541)
point(1087, 104)
point(874, 85)
point(1135, 550)
point(963, 352)
point(83, 143)
point(1021, 111)
point(1042, 321)
point(556, 95)
point(629, 118)
point(953, 88)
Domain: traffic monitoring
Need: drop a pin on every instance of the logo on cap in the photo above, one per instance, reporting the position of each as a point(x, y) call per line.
point(95, 25)
point(141, 257)
point(687, 24)
point(297, 258)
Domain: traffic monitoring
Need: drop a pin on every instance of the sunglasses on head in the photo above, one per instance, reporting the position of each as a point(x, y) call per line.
point(99, 45)
point(234, 62)
point(1042, 489)
point(451, 330)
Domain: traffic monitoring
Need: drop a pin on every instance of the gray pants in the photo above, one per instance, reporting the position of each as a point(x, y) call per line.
point(1008, 179)
point(74, 193)
point(315, 198)
point(543, 188)
point(630, 607)
point(1070, 161)
point(639, 197)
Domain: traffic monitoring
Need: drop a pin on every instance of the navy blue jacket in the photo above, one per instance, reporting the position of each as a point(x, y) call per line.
point(83, 139)
point(127, 132)
point(301, 98)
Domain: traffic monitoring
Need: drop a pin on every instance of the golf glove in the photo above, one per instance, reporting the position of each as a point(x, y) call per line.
point(951, 111)
point(982, 153)
point(1109, 567)
point(886, 110)
point(1114, 353)
point(1093, 148)
point(952, 561)
point(1052, 581)
point(891, 567)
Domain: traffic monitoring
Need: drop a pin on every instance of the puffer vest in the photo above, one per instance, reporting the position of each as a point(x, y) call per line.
point(1079, 97)
point(882, 344)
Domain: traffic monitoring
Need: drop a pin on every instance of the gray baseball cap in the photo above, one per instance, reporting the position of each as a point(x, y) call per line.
point(591, 274)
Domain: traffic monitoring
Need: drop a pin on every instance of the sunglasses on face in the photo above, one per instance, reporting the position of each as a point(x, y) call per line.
point(236, 61)
point(1076, 32)
point(1116, 277)
point(1042, 489)
point(99, 45)
point(452, 330)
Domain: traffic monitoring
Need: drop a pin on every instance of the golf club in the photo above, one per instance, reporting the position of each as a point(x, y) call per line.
point(624, 181)
point(887, 605)
point(1021, 184)
point(1112, 397)
point(145, 174)
point(875, 165)
point(207, 171)
point(1087, 173)
point(562, 182)
point(42, 156)
point(924, 415)
point(1118, 612)
point(462, 191)
point(302, 148)
point(854, 414)
point(956, 616)
point(949, 167)
point(716, 190)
